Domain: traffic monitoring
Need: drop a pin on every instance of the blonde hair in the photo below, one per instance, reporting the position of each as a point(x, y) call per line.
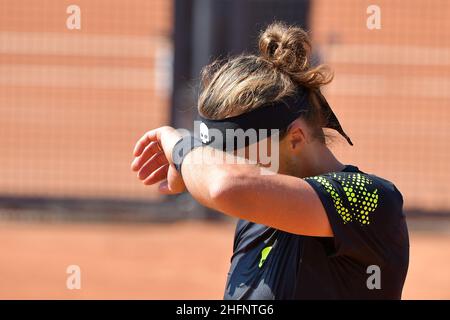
point(238, 85)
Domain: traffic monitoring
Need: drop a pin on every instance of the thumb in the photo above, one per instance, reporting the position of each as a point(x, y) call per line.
point(164, 187)
point(175, 182)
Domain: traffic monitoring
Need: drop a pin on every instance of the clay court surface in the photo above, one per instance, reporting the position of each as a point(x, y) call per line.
point(184, 260)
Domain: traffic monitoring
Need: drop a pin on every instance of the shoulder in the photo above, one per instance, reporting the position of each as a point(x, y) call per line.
point(365, 212)
point(355, 195)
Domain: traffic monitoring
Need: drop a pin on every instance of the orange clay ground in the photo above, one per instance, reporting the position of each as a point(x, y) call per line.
point(184, 260)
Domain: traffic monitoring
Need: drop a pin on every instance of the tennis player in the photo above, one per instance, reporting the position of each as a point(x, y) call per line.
point(314, 229)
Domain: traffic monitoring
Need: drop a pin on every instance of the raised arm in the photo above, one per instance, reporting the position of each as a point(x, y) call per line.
point(240, 190)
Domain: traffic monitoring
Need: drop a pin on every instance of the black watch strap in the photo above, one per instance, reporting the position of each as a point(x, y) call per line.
point(182, 148)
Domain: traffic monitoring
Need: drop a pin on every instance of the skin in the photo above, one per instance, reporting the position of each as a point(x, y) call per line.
point(282, 200)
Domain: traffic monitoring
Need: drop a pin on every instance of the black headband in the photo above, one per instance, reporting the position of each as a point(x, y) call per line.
point(276, 115)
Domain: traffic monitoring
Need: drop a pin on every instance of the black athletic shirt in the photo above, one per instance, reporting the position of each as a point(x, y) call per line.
point(366, 259)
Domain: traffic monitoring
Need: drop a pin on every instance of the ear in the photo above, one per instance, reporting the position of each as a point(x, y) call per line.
point(296, 135)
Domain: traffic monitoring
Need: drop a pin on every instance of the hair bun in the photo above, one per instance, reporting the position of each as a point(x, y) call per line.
point(287, 47)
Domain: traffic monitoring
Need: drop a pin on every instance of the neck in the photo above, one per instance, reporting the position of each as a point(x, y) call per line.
point(317, 160)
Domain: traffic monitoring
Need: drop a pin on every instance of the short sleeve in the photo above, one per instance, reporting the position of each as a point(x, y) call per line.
point(357, 206)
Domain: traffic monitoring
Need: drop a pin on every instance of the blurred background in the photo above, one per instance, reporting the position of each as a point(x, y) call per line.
point(75, 95)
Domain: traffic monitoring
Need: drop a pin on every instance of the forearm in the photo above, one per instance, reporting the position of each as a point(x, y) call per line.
point(210, 176)
point(240, 190)
point(237, 188)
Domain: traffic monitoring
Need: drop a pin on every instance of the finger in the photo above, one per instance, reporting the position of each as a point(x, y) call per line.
point(163, 188)
point(175, 182)
point(157, 175)
point(144, 141)
point(149, 151)
point(151, 165)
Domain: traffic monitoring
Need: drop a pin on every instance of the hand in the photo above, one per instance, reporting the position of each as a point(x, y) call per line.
point(153, 160)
